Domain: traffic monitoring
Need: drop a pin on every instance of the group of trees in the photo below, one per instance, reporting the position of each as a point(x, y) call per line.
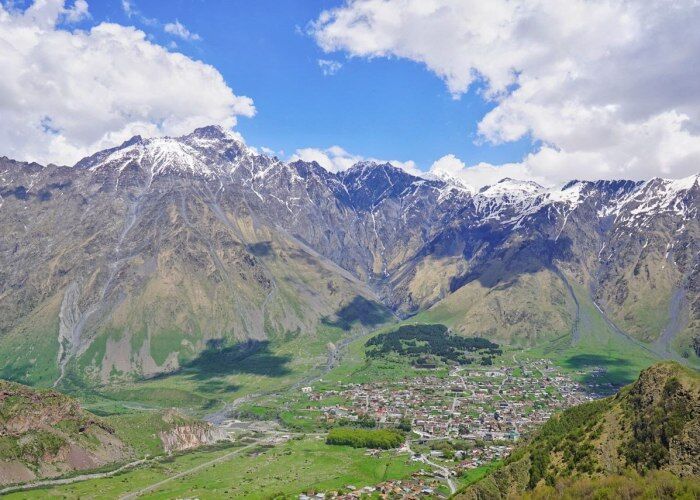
point(364, 422)
point(366, 438)
point(652, 432)
point(434, 340)
point(569, 434)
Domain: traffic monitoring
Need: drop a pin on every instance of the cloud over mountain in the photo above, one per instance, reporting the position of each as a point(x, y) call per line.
point(66, 92)
point(337, 159)
point(604, 89)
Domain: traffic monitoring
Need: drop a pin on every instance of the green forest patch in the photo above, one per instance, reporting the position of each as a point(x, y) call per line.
point(428, 345)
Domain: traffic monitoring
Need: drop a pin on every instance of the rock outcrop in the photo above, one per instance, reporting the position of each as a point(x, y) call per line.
point(46, 434)
point(184, 433)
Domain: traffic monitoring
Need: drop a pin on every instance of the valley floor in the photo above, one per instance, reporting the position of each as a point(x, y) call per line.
point(259, 469)
point(466, 419)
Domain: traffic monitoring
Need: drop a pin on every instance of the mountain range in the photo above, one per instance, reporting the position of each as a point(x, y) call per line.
point(140, 257)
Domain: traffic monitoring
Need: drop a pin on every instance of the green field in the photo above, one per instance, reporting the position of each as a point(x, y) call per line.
point(471, 476)
point(295, 467)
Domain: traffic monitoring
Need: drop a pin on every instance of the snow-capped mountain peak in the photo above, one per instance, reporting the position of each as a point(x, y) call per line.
point(571, 193)
point(512, 188)
point(207, 151)
point(684, 184)
point(450, 179)
point(215, 152)
point(159, 155)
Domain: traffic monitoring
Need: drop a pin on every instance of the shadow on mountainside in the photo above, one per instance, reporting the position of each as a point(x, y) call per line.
point(260, 249)
point(501, 266)
point(605, 374)
point(359, 310)
point(464, 241)
point(218, 360)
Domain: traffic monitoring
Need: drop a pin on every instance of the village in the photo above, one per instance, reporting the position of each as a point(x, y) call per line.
point(464, 420)
point(480, 405)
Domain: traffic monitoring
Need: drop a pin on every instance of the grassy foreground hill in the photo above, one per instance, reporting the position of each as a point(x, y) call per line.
point(643, 442)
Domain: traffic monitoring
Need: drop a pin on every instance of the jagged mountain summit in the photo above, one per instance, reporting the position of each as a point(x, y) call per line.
point(139, 257)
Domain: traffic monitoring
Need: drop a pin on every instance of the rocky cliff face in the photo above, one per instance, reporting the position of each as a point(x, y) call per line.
point(187, 437)
point(140, 257)
point(181, 432)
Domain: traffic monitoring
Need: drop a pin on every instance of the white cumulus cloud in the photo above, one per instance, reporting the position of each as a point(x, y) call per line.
point(605, 89)
point(333, 159)
point(67, 93)
point(481, 174)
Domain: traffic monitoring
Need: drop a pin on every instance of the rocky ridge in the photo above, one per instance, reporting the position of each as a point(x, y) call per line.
point(141, 256)
point(47, 434)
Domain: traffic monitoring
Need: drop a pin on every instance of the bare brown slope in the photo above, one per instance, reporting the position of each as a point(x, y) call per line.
point(45, 434)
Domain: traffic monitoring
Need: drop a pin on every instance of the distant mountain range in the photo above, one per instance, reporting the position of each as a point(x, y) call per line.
point(141, 256)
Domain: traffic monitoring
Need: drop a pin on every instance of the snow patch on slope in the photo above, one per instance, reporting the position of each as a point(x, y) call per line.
point(658, 196)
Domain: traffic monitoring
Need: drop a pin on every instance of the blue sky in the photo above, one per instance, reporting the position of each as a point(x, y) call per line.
point(578, 89)
point(381, 108)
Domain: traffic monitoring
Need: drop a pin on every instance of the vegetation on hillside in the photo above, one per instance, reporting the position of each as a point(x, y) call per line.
point(425, 343)
point(656, 484)
point(648, 446)
point(43, 432)
point(648, 427)
point(142, 429)
point(568, 435)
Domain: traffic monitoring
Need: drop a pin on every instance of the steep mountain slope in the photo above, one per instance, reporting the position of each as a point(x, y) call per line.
point(140, 258)
point(651, 261)
point(652, 425)
point(44, 434)
point(539, 261)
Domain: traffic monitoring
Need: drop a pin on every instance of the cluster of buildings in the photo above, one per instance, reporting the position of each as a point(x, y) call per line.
point(480, 411)
point(419, 486)
point(480, 455)
point(490, 405)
